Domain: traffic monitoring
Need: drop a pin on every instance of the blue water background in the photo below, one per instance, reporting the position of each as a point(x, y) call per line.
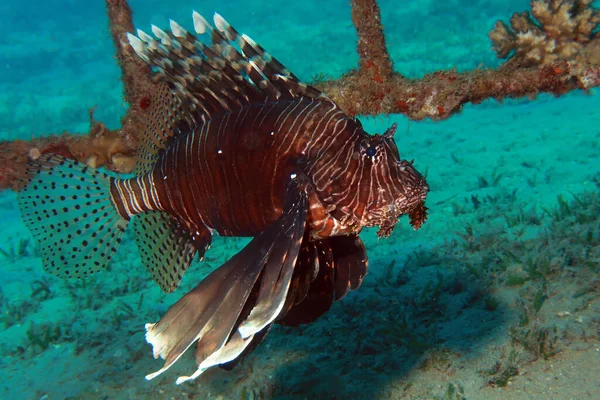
point(57, 61)
point(57, 58)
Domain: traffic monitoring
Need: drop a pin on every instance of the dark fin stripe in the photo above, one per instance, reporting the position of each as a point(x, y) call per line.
point(305, 271)
point(163, 119)
point(326, 271)
point(166, 248)
point(71, 214)
point(319, 298)
point(208, 314)
point(342, 280)
point(218, 78)
point(350, 263)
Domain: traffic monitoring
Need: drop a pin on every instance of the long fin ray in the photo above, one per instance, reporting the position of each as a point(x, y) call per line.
point(254, 341)
point(208, 313)
point(275, 280)
point(232, 72)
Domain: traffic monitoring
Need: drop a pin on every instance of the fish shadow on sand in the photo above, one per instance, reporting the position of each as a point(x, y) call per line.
point(370, 341)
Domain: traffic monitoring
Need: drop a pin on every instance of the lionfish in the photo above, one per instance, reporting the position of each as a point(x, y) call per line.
point(234, 144)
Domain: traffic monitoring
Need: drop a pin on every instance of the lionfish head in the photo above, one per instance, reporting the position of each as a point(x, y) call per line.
point(396, 187)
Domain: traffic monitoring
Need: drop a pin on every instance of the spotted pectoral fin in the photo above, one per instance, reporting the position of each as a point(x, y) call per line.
point(210, 313)
point(166, 247)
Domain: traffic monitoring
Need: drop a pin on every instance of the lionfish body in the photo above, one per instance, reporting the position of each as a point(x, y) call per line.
point(234, 144)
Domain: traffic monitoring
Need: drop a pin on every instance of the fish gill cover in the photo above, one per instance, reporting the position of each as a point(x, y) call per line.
point(500, 281)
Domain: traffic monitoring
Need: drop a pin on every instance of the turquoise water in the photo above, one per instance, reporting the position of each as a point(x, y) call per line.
point(500, 283)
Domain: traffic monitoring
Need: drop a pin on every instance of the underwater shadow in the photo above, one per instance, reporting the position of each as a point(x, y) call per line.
point(424, 316)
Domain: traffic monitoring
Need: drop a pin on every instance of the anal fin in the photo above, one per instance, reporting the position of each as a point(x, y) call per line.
point(167, 248)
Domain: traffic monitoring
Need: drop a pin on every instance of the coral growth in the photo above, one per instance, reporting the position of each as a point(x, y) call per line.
point(560, 36)
point(105, 147)
point(102, 147)
point(554, 30)
point(374, 58)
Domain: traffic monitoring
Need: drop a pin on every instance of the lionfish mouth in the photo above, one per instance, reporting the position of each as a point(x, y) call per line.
point(417, 215)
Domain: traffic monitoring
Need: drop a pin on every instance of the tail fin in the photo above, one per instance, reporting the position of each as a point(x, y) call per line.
point(68, 208)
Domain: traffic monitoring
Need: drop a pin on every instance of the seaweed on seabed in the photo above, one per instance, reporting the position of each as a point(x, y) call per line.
point(522, 217)
point(18, 250)
point(123, 312)
point(85, 293)
point(562, 258)
point(502, 372)
point(40, 337)
point(454, 392)
point(15, 313)
point(40, 289)
point(538, 341)
point(492, 181)
point(440, 359)
point(561, 211)
point(252, 394)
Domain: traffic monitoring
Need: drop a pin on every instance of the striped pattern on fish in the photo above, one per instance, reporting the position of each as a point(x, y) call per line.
point(236, 145)
point(287, 135)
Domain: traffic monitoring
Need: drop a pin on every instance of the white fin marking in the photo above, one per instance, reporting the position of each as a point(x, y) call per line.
point(220, 22)
point(200, 24)
point(137, 45)
point(177, 30)
point(162, 35)
point(145, 37)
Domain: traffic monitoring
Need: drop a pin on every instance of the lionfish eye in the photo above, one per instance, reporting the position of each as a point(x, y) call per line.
point(371, 151)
